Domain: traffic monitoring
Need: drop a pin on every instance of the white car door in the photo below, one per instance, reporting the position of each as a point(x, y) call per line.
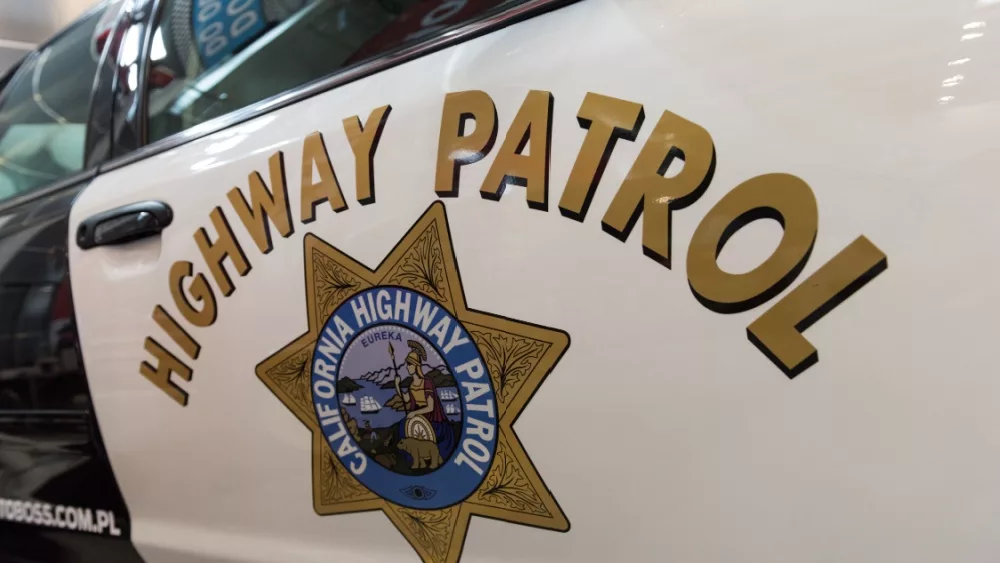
point(313, 311)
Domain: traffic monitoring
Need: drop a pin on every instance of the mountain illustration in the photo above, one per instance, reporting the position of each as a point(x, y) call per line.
point(441, 377)
point(345, 385)
point(438, 375)
point(384, 375)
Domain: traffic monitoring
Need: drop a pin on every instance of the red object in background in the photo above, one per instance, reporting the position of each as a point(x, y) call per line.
point(62, 302)
point(101, 39)
point(109, 30)
point(160, 76)
point(423, 18)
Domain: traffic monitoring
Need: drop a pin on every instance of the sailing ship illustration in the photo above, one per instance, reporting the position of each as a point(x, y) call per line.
point(448, 394)
point(451, 409)
point(348, 399)
point(370, 405)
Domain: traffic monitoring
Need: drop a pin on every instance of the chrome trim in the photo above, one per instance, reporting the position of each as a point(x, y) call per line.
point(127, 128)
point(60, 184)
point(97, 146)
point(474, 29)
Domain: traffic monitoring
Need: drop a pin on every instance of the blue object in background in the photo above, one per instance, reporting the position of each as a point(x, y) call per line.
point(221, 27)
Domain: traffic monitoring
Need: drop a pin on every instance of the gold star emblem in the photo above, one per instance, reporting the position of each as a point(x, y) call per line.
point(518, 357)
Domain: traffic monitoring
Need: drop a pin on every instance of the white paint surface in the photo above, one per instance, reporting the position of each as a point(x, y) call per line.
point(664, 433)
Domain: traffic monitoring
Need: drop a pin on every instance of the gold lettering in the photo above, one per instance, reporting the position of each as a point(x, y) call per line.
point(606, 120)
point(226, 246)
point(782, 197)
point(167, 364)
point(328, 188)
point(778, 332)
point(533, 123)
point(646, 191)
point(266, 204)
point(364, 140)
point(455, 147)
point(176, 332)
point(200, 290)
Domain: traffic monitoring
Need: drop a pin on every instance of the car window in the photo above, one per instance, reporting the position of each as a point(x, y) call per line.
point(44, 111)
point(212, 57)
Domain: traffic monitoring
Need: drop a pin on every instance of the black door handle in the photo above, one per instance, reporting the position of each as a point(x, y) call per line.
point(124, 224)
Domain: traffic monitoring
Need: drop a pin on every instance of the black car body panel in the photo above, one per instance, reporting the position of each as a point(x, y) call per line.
point(50, 445)
point(59, 500)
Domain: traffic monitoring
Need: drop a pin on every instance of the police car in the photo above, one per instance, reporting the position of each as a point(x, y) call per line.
point(345, 280)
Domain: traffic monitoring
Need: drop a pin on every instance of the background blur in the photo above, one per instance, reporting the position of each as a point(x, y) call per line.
point(26, 23)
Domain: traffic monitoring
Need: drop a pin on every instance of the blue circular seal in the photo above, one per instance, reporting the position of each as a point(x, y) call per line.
point(404, 398)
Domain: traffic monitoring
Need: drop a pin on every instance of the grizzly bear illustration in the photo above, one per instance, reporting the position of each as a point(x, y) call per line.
point(421, 451)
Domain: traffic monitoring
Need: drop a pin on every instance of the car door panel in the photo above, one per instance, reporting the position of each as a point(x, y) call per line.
point(668, 431)
point(206, 511)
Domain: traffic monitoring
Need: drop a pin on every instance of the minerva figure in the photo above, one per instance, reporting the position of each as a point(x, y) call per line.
point(425, 418)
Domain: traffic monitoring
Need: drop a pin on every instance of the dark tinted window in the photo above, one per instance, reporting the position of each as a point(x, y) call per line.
point(44, 111)
point(211, 57)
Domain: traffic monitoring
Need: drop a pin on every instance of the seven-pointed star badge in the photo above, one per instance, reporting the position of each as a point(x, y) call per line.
point(411, 396)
